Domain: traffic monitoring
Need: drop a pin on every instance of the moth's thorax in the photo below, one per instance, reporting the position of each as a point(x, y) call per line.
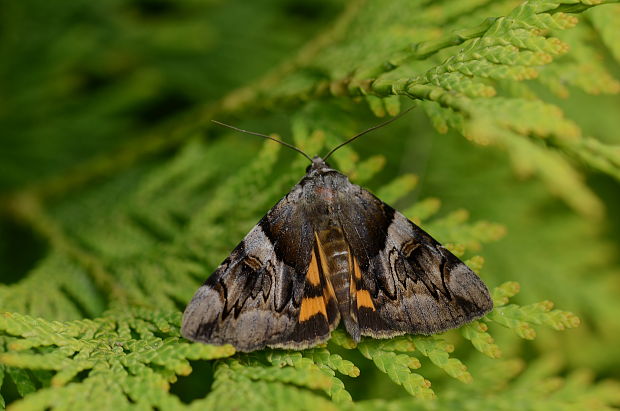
point(321, 190)
point(326, 194)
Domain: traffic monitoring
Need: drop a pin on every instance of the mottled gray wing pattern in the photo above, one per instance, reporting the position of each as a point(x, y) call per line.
point(415, 284)
point(254, 299)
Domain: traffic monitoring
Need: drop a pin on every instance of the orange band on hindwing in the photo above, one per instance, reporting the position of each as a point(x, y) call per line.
point(313, 276)
point(361, 296)
point(311, 306)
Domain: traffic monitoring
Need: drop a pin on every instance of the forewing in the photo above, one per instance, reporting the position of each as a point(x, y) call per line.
point(269, 291)
point(406, 282)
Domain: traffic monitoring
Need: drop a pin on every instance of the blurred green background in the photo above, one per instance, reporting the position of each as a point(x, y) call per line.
point(94, 92)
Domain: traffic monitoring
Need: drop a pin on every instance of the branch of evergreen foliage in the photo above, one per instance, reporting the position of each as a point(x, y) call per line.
point(95, 323)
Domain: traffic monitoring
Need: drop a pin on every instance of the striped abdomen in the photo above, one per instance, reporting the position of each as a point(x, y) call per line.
point(339, 263)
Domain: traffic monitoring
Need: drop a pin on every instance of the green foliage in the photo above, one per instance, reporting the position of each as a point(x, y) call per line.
point(131, 357)
point(128, 356)
point(117, 198)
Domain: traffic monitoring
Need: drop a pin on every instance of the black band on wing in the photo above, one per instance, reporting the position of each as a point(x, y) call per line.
point(292, 239)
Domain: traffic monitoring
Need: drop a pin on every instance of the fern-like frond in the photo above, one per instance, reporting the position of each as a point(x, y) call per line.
point(125, 357)
point(93, 321)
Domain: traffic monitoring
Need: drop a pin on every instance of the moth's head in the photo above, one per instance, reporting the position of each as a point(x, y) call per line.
point(318, 166)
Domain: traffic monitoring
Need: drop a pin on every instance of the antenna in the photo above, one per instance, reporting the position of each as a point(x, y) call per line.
point(264, 136)
point(385, 123)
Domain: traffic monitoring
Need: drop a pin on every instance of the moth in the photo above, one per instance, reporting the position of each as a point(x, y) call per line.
point(331, 252)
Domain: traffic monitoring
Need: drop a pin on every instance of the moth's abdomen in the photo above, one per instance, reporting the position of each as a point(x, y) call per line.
point(338, 270)
point(336, 252)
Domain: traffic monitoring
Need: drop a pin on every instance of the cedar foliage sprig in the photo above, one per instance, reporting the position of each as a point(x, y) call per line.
point(140, 242)
point(132, 356)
